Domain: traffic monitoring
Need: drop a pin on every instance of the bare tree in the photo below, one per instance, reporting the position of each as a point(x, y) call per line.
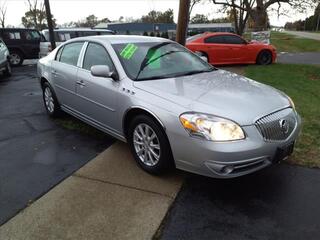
point(257, 9)
point(36, 10)
point(192, 4)
point(3, 14)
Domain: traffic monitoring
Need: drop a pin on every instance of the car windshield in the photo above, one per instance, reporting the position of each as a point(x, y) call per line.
point(156, 60)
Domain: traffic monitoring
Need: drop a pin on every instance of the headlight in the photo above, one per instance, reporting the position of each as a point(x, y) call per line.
point(291, 103)
point(211, 127)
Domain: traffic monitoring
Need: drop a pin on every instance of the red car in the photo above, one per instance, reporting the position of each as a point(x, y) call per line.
point(228, 48)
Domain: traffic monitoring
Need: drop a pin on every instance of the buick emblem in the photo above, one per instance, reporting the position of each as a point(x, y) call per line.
point(284, 126)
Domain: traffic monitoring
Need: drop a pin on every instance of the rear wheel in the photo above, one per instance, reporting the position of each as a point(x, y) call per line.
point(149, 145)
point(50, 101)
point(16, 58)
point(264, 58)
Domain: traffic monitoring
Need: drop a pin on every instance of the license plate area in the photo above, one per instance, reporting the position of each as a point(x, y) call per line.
point(283, 153)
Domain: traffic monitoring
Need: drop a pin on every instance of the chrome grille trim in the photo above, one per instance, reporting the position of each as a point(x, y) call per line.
point(269, 125)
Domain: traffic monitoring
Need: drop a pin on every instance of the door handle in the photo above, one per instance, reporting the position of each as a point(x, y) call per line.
point(54, 72)
point(81, 83)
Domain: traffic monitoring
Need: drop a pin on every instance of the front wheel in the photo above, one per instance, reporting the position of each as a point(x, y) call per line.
point(264, 58)
point(149, 145)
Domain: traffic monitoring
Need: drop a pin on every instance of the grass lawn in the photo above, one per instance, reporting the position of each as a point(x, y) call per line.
point(74, 124)
point(302, 84)
point(289, 43)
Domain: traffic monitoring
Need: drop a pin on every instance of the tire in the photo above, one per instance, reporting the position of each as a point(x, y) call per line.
point(141, 142)
point(50, 101)
point(7, 72)
point(16, 58)
point(264, 58)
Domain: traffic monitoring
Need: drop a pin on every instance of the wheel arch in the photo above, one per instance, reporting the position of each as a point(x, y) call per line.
point(135, 111)
point(16, 49)
point(43, 80)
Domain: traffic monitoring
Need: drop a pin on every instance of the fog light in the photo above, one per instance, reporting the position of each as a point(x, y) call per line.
point(227, 169)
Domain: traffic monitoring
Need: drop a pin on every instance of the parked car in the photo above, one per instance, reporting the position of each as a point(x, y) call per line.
point(5, 67)
point(22, 44)
point(228, 48)
point(65, 34)
point(172, 107)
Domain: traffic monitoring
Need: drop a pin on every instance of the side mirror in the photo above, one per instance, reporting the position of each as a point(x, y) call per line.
point(103, 71)
point(204, 58)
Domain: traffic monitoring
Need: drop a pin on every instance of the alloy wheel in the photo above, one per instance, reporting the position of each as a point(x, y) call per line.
point(265, 58)
point(146, 144)
point(48, 98)
point(15, 59)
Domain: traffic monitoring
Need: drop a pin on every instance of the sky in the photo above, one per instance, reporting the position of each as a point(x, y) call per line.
point(73, 10)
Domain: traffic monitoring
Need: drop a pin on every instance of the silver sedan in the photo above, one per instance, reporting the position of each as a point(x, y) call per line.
point(171, 106)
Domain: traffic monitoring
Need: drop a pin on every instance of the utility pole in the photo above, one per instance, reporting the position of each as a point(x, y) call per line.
point(183, 20)
point(318, 21)
point(50, 24)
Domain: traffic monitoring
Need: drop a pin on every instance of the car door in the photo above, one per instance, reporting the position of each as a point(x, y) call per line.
point(215, 48)
point(64, 71)
point(3, 53)
point(236, 49)
point(31, 43)
point(97, 96)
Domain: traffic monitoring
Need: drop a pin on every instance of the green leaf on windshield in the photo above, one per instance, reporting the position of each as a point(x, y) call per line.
point(128, 51)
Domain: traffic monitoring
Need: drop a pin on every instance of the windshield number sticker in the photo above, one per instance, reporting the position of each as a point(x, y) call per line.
point(128, 51)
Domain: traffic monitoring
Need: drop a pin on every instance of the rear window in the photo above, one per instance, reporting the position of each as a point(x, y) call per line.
point(105, 33)
point(87, 33)
point(215, 39)
point(12, 35)
point(70, 53)
point(32, 35)
point(234, 40)
point(60, 36)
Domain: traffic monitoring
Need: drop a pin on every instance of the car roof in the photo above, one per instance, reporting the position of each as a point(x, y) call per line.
point(20, 29)
point(119, 39)
point(200, 36)
point(78, 30)
point(219, 33)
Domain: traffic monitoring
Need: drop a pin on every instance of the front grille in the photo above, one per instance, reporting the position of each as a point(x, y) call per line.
point(277, 126)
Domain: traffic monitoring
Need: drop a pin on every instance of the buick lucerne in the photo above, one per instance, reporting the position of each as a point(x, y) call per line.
point(171, 106)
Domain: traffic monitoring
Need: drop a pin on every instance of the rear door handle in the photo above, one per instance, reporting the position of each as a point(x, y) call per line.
point(81, 83)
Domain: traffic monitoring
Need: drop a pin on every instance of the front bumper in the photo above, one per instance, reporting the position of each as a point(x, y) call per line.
point(215, 159)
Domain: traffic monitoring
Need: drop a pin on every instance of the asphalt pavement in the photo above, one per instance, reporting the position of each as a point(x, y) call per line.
point(299, 58)
point(310, 35)
point(280, 202)
point(35, 152)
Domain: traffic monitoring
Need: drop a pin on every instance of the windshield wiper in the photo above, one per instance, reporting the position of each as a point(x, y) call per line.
point(145, 60)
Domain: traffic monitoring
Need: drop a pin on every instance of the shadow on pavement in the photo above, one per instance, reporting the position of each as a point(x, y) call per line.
point(280, 202)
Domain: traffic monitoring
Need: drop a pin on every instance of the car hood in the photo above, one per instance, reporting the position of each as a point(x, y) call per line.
point(220, 93)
